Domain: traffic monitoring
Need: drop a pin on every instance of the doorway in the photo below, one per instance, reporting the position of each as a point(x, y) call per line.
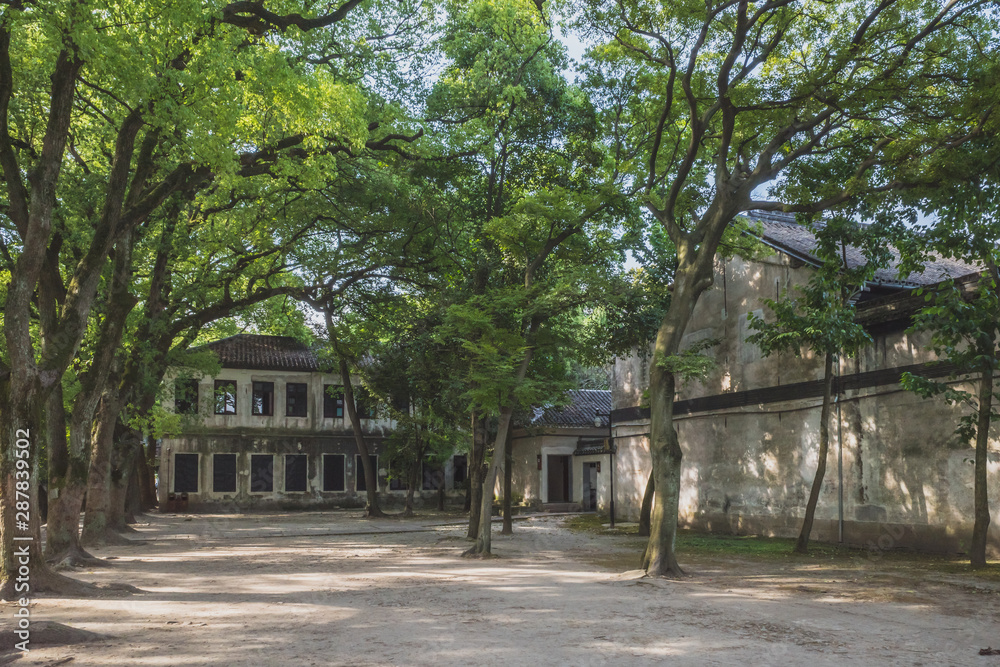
point(590, 487)
point(559, 479)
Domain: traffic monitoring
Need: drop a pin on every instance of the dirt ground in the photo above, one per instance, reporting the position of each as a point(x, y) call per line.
point(334, 589)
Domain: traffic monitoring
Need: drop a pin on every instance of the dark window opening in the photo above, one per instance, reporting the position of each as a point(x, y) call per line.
point(186, 473)
point(263, 399)
point(433, 475)
point(186, 397)
point(364, 403)
point(397, 478)
point(333, 472)
point(224, 473)
point(225, 397)
point(295, 399)
point(295, 472)
point(461, 464)
point(333, 401)
point(359, 472)
point(261, 473)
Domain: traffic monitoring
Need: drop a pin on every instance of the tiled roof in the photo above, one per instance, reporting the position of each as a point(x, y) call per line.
point(264, 353)
point(584, 403)
point(783, 233)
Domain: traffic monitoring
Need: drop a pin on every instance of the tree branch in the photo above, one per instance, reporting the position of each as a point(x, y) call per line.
point(257, 20)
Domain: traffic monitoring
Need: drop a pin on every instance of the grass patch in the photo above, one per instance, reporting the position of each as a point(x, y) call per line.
point(754, 546)
point(692, 545)
point(779, 549)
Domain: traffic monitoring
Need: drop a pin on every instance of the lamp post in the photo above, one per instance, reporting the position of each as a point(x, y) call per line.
point(611, 459)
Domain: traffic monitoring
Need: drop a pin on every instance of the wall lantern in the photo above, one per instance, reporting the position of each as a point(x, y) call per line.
point(598, 466)
point(539, 461)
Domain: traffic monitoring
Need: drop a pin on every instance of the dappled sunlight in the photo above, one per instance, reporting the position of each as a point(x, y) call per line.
point(409, 598)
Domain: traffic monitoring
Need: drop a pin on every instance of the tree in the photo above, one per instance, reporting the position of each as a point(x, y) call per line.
point(963, 315)
point(190, 111)
point(413, 376)
point(821, 320)
point(535, 193)
point(831, 103)
point(963, 321)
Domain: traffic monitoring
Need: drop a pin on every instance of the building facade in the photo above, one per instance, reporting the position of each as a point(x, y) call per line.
point(561, 456)
point(270, 432)
point(896, 475)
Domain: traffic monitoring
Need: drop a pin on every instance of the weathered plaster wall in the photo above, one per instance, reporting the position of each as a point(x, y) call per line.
point(314, 421)
point(244, 434)
point(907, 480)
point(530, 482)
point(525, 480)
point(244, 446)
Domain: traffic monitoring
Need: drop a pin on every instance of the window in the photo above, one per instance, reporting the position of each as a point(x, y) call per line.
point(333, 472)
point(359, 472)
point(261, 473)
point(186, 473)
point(263, 399)
point(295, 399)
point(364, 403)
point(401, 403)
point(186, 397)
point(333, 401)
point(397, 478)
point(295, 472)
point(461, 463)
point(433, 474)
point(224, 473)
point(225, 397)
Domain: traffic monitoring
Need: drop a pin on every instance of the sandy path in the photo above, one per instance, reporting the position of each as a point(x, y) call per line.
point(264, 590)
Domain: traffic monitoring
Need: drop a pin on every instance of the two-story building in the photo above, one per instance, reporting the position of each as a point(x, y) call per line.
point(897, 474)
point(270, 431)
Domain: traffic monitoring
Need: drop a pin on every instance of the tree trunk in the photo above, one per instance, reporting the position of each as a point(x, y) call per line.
point(484, 541)
point(96, 522)
point(123, 456)
point(647, 507)
point(133, 493)
point(23, 570)
point(413, 476)
point(146, 476)
point(372, 508)
point(693, 276)
point(508, 464)
point(659, 558)
point(63, 543)
point(802, 544)
point(411, 486)
point(977, 550)
point(66, 489)
point(476, 473)
point(483, 546)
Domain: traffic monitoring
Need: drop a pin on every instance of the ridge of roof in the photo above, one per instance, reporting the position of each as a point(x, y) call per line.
point(264, 353)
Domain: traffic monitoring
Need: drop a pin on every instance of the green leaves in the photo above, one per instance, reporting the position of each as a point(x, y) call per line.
point(690, 364)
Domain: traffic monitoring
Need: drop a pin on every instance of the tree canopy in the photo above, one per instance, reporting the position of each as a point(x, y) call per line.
point(434, 182)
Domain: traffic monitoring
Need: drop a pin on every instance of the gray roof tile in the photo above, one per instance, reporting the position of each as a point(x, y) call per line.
point(264, 353)
point(579, 412)
point(783, 233)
